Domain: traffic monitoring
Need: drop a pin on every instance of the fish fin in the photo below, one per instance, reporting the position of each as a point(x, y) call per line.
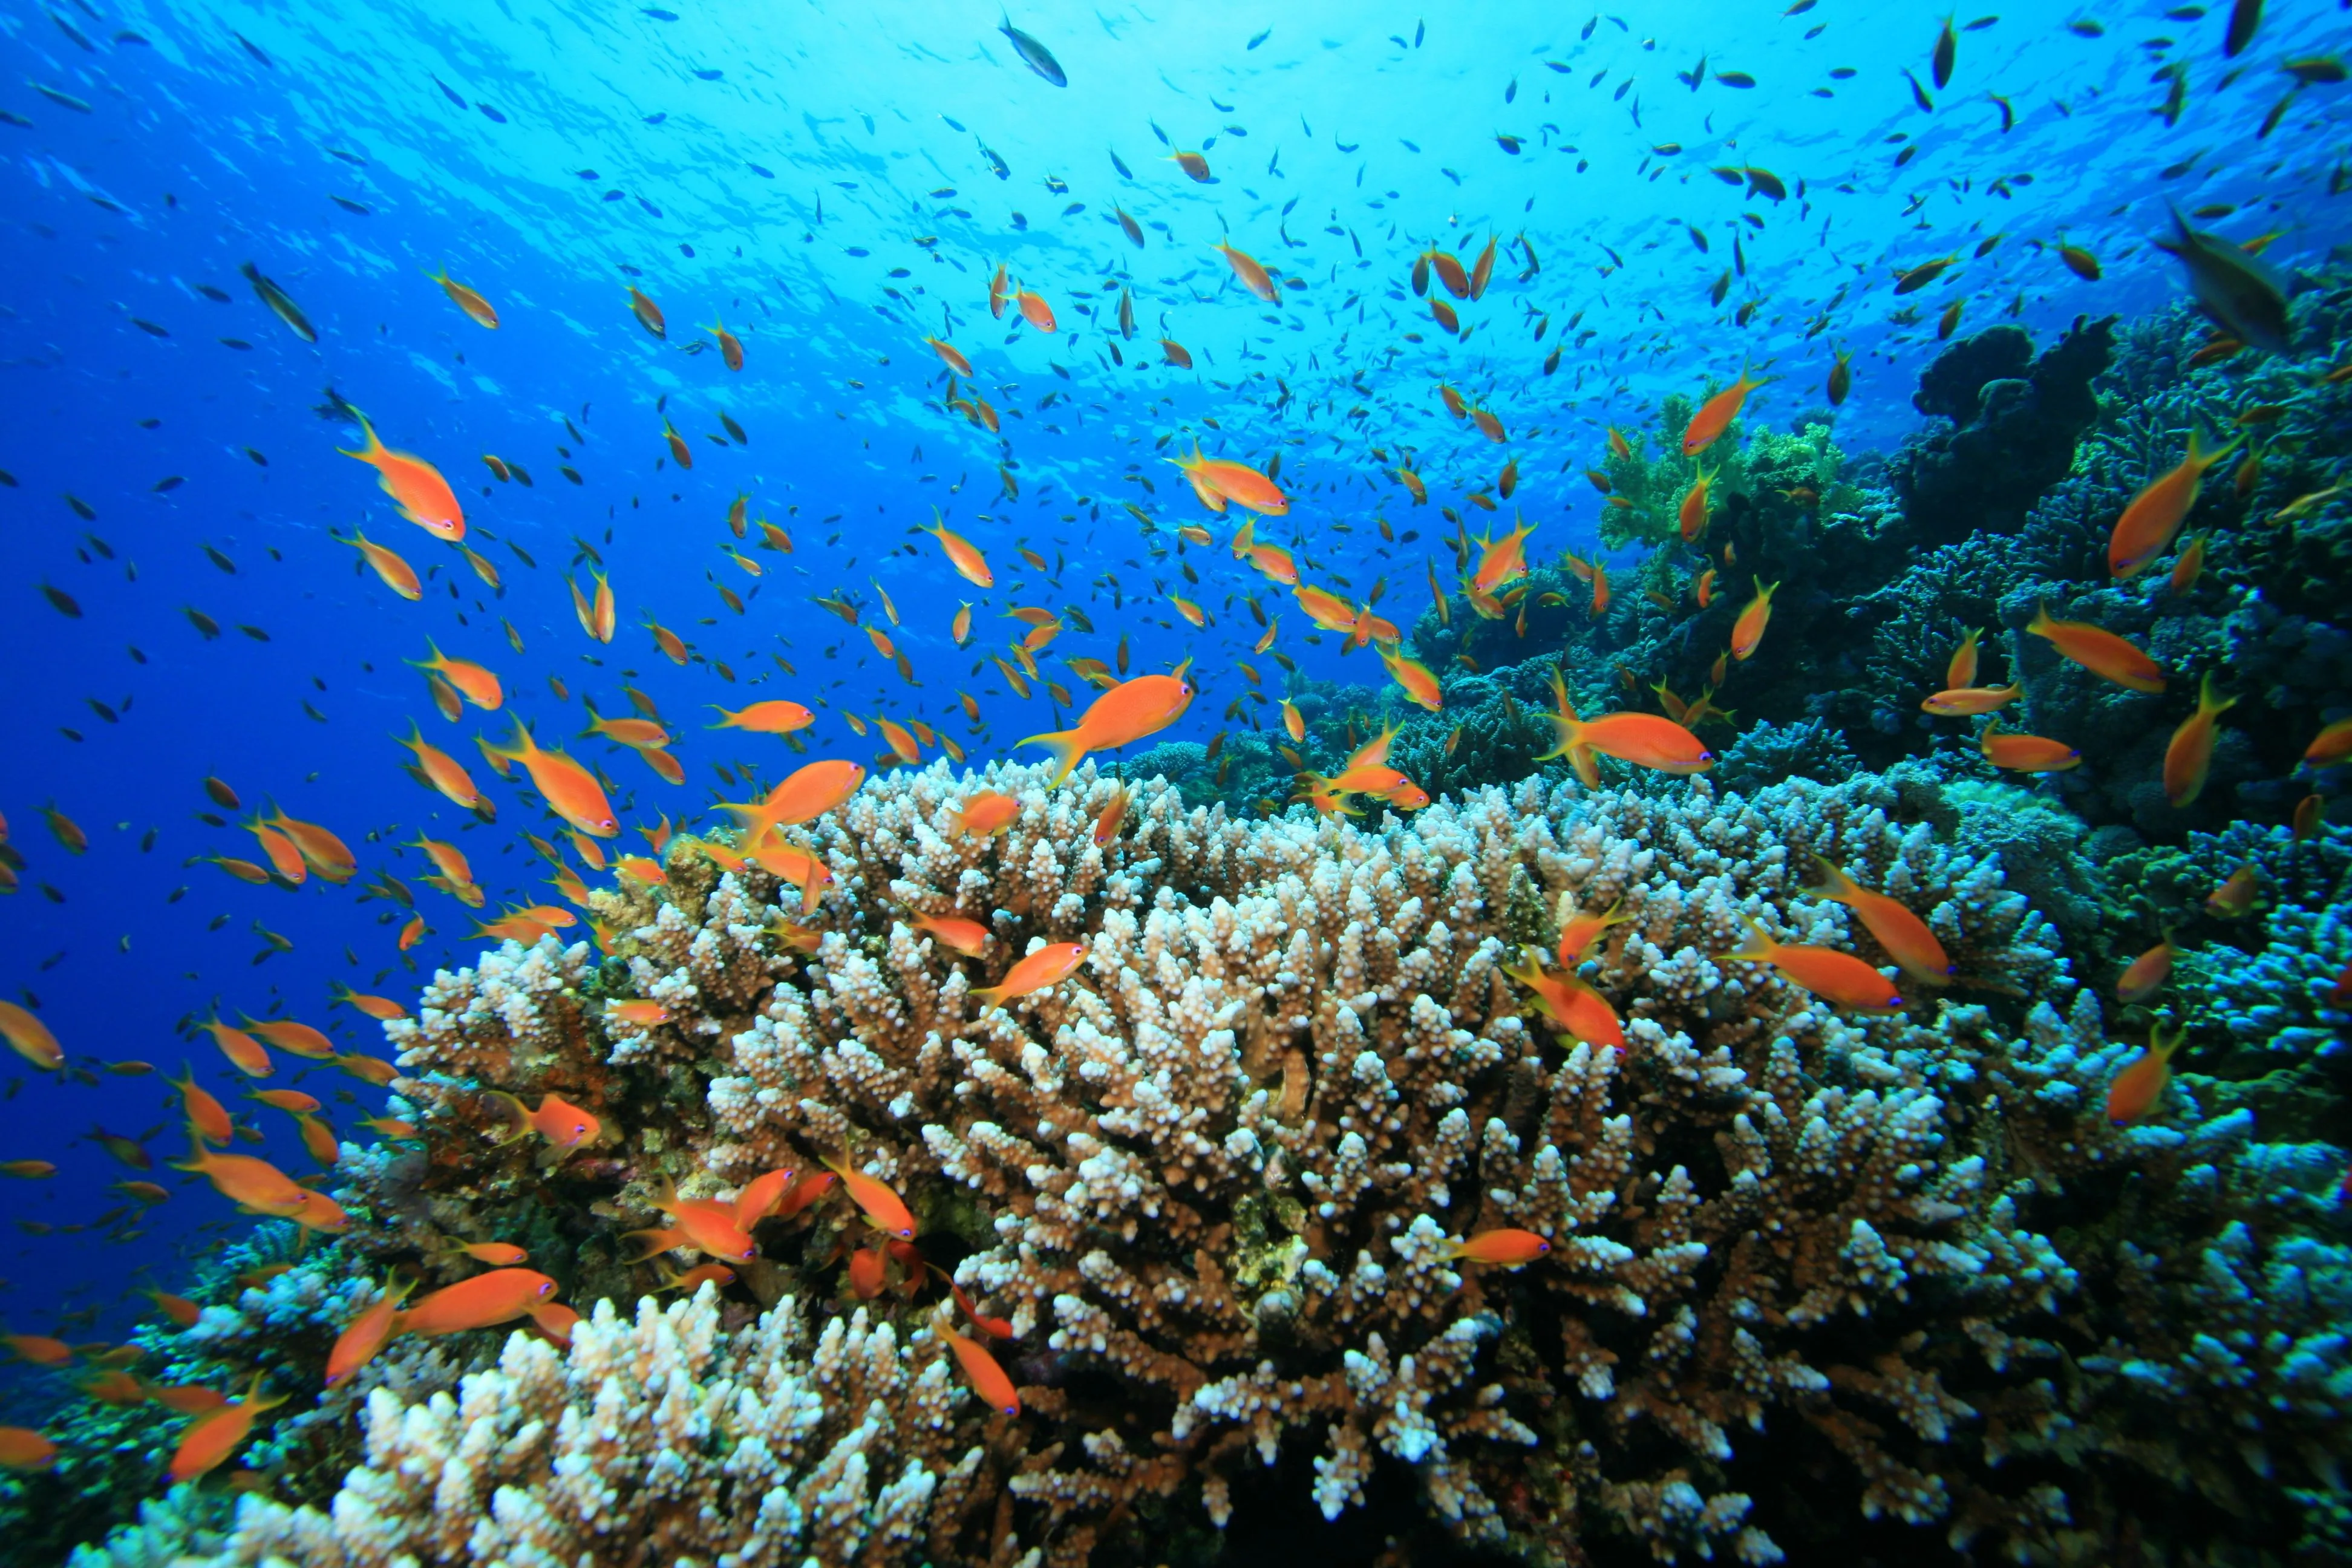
point(1836, 885)
point(1758, 946)
point(521, 1115)
point(1067, 746)
point(656, 1242)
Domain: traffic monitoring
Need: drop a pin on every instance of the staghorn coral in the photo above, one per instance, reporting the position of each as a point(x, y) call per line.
point(667, 1435)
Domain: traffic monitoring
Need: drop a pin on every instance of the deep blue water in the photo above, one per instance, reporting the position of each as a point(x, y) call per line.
point(821, 178)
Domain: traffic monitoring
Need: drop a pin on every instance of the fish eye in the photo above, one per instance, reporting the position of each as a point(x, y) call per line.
point(751, 1252)
point(545, 1289)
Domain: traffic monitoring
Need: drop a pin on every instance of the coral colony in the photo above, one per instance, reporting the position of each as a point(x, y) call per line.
point(1811, 1032)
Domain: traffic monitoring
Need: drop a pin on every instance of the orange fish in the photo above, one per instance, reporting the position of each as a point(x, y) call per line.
point(1252, 277)
point(396, 574)
point(1034, 310)
point(30, 1037)
point(2137, 1089)
point(969, 562)
point(245, 1053)
point(1419, 682)
point(1691, 516)
point(2147, 527)
point(2331, 745)
point(1838, 978)
point(571, 790)
point(1582, 1013)
point(1748, 629)
point(1510, 1248)
point(24, 1449)
point(966, 937)
point(2234, 897)
point(648, 314)
point(704, 1224)
point(2190, 752)
point(1966, 702)
point(564, 1124)
point(419, 491)
point(986, 815)
point(805, 794)
point(2100, 651)
point(880, 1205)
point(1113, 813)
point(500, 1296)
point(773, 716)
point(1904, 935)
point(441, 769)
point(2145, 975)
point(988, 1379)
point(951, 356)
point(478, 685)
point(2025, 753)
point(255, 1185)
point(1124, 714)
point(1581, 930)
point(365, 1334)
point(1236, 482)
point(1962, 669)
point(212, 1438)
point(1503, 560)
point(1716, 415)
point(1044, 967)
point(1646, 740)
point(730, 347)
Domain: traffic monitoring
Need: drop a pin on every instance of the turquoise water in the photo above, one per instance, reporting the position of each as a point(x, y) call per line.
point(834, 185)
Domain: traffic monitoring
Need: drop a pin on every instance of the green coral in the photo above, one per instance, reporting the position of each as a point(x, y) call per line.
point(1655, 475)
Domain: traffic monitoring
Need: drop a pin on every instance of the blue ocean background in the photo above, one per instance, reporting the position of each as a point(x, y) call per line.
point(833, 183)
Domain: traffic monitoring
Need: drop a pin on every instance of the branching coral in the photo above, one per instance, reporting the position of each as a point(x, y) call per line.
point(666, 1434)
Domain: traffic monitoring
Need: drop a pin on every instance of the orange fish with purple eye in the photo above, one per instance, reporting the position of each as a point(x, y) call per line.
point(882, 1205)
point(988, 1380)
point(703, 1224)
point(2137, 1089)
point(483, 1301)
point(564, 1124)
point(419, 491)
point(1510, 1248)
point(966, 937)
point(212, 1438)
point(1838, 978)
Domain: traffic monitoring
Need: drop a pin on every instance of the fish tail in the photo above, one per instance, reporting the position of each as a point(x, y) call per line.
point(1067, 746)
point(656, 1242)
point(2206, 704)
point(1836, 885)
point(993, 995)
point(2200, 459)
point(515, 1106)
point(1757, 948)
point(366, 453)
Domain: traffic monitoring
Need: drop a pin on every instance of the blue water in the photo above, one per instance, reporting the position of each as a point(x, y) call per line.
point(819, 177)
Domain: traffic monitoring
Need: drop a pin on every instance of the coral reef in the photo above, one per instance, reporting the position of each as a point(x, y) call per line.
point(666, 1433)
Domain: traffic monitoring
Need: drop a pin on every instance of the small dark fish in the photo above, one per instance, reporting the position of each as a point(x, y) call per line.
point(82, 508)
point(256, 633)
point(62, 602)
point(70, 31)
point(1133, 230)
point(277, 300)
point(996, 165)
point(2086, 28)
point(763, 173)
point(2245, 19)
point(349, 206)
point(734, 429)
point(1735, 78)
point(1038, 56)
point(150, 328)
point(1123, 171)
point(167, 484)
point(708, 75)
point(1947, 45)
point(1919, 94)
point(2007, 115)
point(217, 559)
point(649, 206)
point(219, 296)
point(239, 344)
point(254, 50)
point(62, 99)
point(2241, 292)
point(569, 473)
point(491, 112)
point(2314, 69)
point(127, 37)
point(257, 458)
point(348, 157)
point(1259, 39)
point(206, 627)
point(658, 16)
